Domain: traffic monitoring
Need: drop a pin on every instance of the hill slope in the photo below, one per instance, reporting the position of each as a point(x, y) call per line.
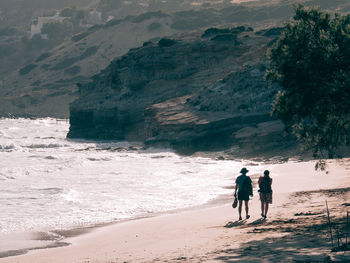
point(46, 86)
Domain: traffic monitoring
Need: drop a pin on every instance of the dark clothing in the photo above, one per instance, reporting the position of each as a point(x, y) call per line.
point(243, 196)
point(265, 189)
point(240, 180)
point(244, 187)
point(265, 185)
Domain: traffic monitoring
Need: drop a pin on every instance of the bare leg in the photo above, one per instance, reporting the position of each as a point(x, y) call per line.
point(266, 208)
point(262, 208)
point(246, 209)
point(240, 209)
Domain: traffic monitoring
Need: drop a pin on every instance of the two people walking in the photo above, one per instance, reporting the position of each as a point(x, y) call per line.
point(244, 189)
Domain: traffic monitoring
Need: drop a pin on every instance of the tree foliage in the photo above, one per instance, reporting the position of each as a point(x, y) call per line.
point(311, 63)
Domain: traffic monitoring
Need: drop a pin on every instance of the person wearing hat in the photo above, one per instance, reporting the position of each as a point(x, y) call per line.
point(245, 189)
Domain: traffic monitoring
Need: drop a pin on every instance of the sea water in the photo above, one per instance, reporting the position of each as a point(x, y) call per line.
point(48, 182)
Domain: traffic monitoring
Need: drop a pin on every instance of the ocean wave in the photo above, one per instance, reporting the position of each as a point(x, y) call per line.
point(40, 145)
point(47, 176)
point(51, 190)
point(7, 147)
point(4, 177)
point(71, 196)
point(99, 159)
point(50, 157)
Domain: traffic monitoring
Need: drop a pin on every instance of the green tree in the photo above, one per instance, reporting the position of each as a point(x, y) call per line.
point(311, 63)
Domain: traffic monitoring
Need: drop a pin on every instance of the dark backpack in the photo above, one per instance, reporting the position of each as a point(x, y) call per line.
point(247, 186)
point(265, 185)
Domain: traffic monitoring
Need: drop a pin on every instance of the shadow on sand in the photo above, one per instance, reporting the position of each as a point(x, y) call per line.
point(294, 247)
point(302, 238)
point(231, 224)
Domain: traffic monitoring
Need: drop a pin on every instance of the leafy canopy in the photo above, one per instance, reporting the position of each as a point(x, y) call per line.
point(311, 63)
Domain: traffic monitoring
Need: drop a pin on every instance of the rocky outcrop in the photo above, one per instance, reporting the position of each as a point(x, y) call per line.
point(193, 93)
point(176, 124)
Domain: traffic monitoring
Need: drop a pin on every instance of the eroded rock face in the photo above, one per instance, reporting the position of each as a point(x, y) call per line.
point(177, 124)
point(193, 94)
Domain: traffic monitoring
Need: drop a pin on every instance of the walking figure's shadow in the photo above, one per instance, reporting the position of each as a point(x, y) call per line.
point(242, 222)
point(236, 223)
point(257, 222)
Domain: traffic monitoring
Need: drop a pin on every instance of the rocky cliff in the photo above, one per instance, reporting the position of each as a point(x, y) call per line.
point(199, 92)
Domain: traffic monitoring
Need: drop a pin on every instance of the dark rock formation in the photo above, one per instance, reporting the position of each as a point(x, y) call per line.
point(196, 94)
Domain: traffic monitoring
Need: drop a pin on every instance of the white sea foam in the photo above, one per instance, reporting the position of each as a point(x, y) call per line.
point(50, 183)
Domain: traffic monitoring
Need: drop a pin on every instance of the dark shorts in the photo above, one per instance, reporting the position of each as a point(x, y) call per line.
point(243, 196)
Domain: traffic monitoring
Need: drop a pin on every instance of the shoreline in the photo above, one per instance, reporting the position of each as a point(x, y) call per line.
point(207, 232)
point(65, 234)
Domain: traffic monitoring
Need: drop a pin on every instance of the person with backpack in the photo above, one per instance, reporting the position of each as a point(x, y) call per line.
point(265, 191)
point(245, 189)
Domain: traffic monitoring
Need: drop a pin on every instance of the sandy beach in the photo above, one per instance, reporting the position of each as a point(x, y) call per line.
point(296, 229)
